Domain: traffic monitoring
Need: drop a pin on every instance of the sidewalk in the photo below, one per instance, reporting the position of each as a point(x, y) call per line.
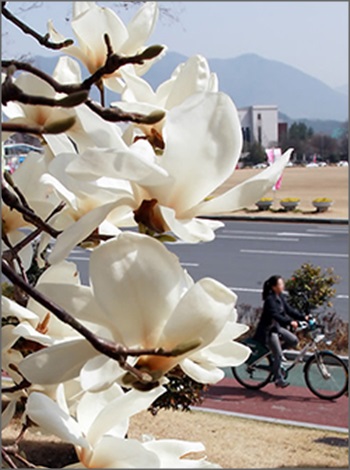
point(293, 404)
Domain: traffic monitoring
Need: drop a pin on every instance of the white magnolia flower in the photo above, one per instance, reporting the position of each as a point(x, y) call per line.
point(142, 296)
point(104, 204)
point(203, 142)
point(90, 23)
point(99, 428)
point(27, 178)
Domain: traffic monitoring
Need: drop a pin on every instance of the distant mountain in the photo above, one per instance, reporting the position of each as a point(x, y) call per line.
point(343, 89)
point(251, 79)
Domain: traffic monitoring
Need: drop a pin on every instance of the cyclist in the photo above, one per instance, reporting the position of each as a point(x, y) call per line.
point(275, 323)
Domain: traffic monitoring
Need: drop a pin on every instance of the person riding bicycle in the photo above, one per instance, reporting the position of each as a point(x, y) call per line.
point(276, 318)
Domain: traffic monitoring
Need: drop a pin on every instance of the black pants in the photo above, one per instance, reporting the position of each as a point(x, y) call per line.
point(289, 340)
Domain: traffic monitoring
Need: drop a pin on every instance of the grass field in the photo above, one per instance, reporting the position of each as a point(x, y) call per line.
point(306, 184)
point(230, 442)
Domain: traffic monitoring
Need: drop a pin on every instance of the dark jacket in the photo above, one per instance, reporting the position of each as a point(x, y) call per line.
point(276, 313)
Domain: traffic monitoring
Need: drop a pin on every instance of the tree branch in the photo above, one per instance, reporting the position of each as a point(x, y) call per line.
point(43, 40)
point(13, 202)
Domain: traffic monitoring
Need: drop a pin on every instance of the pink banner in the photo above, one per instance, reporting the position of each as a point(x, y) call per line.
point(273, 155)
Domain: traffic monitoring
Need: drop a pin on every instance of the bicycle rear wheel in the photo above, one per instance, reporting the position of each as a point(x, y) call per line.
point(256, 375)
point(326, 375)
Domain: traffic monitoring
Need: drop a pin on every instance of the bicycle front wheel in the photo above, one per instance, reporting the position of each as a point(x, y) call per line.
point(326, 375)
point(254, 376)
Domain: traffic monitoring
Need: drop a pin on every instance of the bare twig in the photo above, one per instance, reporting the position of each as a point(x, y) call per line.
point(16, 388)
point(7, 458)
point(54, 128)
point(13, 202)
point(43, 40)
point(15, 255)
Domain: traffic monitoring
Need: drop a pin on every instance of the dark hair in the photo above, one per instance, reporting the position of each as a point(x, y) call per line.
point(271, 282)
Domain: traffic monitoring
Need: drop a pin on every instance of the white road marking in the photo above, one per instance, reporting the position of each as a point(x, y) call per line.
point(194, 265)
point(269, 239)
point(335, 231)
point(295, 253)
point(245, 289)
point(259, 291)
point(279, 234)
point(78, 258)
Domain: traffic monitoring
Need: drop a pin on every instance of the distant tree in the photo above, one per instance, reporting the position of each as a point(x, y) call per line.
point(298, 137)
point(256, 154)
point(325, 146)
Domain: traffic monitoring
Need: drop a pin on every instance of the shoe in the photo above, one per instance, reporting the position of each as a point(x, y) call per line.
point(281, 383)
point(283, 358)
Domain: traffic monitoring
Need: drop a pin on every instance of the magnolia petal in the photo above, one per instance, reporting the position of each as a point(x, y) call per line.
point(246, 193)
point(8, 337)
point(168, 449)
point(204, 373)
point(140, 28)
point(101, 133)
point(55, 36)
point(76, 299)
point(8, 413)
point(99, 373)
point(34, 85)
point(171, 453)
point(127, 275)
point(113, 452)
point(91, 404)
point(230, 354)
point(136, 88)
point(10, 308)
point(130, 164)
point(190, 230)
point(90, 27)
point(202, 137)
point(80, 230)
point(193, 77)
point(201, 314)
point(47, 414)
point(67, 71)
point(65, 272)
point(57, 363)
point(25, 330)
point(113, 417)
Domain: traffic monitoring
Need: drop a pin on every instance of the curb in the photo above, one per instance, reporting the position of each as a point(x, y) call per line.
point(266, 419)
point(252, 218)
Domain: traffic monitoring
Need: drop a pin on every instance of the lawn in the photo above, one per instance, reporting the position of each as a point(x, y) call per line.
point(230, 441)
point(306, 184)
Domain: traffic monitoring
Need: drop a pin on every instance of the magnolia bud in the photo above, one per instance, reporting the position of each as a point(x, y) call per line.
point(151, 52)
point(74, 99)
point(153, 117)
point(58, 127)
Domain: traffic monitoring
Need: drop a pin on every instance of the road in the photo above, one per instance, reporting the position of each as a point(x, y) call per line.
point(244, 254)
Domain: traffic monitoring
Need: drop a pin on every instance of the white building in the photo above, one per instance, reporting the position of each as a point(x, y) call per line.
point(260, 124)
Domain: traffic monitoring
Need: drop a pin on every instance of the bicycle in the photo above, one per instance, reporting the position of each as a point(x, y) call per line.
point(325, 373)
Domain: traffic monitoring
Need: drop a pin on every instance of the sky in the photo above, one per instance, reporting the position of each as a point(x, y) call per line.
point(311, 36)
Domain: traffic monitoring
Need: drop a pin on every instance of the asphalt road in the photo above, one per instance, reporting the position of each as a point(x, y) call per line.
point(244, 254)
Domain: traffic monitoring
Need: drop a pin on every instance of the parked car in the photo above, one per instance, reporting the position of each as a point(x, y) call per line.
point(343, 163)
point(312, 165)
point(290, 164)
point(260, 166)
point(322, 164)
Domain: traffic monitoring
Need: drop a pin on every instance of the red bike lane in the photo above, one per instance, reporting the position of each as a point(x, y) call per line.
point(293, 403)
